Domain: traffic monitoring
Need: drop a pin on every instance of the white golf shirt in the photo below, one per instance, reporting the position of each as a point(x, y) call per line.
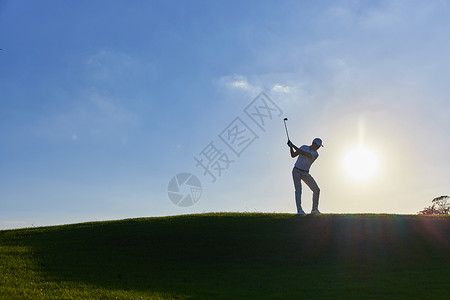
point(304, 162)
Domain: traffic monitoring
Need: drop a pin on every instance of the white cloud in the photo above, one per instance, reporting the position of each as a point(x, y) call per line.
point(240, 84)
point(102, 104)
point(107, 108)
point(234, 82)
point(108, 66)
point(93, 114)
point(279, 88)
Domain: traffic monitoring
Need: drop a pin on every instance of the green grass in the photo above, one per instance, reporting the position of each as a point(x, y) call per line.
point(230, 255)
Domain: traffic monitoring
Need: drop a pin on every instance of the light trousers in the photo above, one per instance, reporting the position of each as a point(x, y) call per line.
point(298, 176)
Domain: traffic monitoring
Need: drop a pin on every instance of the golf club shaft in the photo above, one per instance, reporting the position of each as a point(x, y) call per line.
point(285, 127)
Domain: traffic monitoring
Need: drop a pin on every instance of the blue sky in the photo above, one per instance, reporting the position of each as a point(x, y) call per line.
point(104, 102)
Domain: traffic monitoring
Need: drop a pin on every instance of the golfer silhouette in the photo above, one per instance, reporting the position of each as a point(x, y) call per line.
point(306, 155)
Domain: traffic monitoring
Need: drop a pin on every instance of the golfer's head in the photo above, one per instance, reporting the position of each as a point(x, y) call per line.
point(317, 143)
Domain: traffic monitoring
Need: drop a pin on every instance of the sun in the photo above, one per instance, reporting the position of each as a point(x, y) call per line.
point(361, 163)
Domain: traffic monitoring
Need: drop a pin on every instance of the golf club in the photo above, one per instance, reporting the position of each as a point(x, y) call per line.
point(285, 119)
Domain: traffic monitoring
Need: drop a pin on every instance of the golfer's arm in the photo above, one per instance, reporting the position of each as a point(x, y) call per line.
point(294, 151)
point(299, 151)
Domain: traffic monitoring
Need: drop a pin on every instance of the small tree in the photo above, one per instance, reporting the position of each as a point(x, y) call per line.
point(440, 206)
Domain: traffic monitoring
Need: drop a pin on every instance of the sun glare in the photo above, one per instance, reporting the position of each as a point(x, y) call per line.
point(361, 163)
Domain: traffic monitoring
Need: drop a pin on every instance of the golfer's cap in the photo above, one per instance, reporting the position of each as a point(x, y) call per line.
point(318, 142)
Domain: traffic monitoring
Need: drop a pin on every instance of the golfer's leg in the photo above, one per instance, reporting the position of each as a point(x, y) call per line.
point(309, 180)
point(298, 188)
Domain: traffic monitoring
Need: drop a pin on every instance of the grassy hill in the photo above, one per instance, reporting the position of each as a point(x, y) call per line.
point(231, 256)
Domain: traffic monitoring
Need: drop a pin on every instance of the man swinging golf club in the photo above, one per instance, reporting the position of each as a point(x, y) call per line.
point(306, 155)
